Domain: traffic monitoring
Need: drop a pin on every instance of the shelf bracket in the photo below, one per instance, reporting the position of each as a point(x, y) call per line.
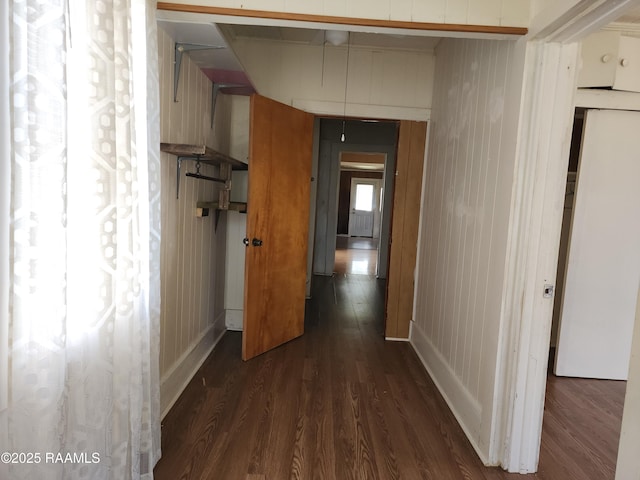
point(208, 156)
point(178, 168)
point(223, 195)
point(181, 48)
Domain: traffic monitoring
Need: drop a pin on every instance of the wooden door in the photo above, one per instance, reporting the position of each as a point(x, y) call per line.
point(280, 155)
point(603, 266)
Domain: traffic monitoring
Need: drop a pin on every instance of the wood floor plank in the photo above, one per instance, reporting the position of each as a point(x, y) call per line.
point(383, 445)
point(302, 461)
point(342, 403)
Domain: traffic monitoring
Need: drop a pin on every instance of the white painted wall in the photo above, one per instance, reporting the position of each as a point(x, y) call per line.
point(239, 128)
point(192, 268)
point(234, 269)
point(236, 223)
point(476, 12)
point(464, 225)
point(395, 84)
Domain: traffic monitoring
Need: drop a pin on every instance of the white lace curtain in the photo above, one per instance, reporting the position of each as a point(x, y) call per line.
point(79, 222)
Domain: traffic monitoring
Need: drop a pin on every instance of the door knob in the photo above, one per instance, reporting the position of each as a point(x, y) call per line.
point(256, 242)
point(245, 240)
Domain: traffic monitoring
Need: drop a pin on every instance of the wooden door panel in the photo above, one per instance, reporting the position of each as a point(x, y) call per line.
point(280, 153)
point(404, 228)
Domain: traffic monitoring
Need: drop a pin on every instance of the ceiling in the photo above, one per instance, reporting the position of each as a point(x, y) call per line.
point(373, 162)
point(633, 17)
point(308, 36)
point(218, 63)
point(221, 66)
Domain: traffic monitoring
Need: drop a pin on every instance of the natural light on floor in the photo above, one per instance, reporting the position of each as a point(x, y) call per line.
point(360, 267)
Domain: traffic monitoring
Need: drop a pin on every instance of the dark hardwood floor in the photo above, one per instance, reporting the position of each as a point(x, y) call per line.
point(581, 428)
point(341, 403)
point(356, 255)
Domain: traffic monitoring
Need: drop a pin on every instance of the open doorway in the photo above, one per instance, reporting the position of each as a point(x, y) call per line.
point(594, 310)
point(360, 201)
point(363, 163)
point(403, 144)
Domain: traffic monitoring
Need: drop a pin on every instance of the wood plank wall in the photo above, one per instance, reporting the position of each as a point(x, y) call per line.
point(465, 219)
point(192, 262)
point(404, 228)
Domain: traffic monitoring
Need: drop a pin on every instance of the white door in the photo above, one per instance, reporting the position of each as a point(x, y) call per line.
point(364, 199)
point(603, 266)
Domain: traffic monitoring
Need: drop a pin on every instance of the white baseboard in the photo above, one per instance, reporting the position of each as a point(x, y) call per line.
point(173, 383)
point(399, 339)
point(233, 319)
point(463, 405)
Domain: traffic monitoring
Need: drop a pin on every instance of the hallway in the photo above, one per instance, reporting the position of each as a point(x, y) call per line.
point(341, 403)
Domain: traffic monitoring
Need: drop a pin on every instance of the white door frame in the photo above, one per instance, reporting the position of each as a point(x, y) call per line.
point(534, 237)
point(548, 103)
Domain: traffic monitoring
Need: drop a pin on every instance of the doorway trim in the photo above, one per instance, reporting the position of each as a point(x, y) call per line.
point(537, 206)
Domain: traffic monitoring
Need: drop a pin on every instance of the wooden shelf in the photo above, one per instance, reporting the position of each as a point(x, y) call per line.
point(202, 153)
point(236, 206)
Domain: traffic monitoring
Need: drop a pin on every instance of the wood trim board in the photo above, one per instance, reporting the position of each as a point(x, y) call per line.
point(362, 22)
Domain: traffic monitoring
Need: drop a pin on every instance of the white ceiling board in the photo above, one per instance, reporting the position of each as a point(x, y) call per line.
point(189, 32)
point(316, 37)
point(632, 16)
point(627, 24)
point(221, 58)
point(411, 42)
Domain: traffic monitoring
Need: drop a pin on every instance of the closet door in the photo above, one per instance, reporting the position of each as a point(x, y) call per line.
point(603, 266)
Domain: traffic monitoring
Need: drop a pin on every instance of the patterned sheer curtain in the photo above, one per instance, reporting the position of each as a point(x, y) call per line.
point(79, 221)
